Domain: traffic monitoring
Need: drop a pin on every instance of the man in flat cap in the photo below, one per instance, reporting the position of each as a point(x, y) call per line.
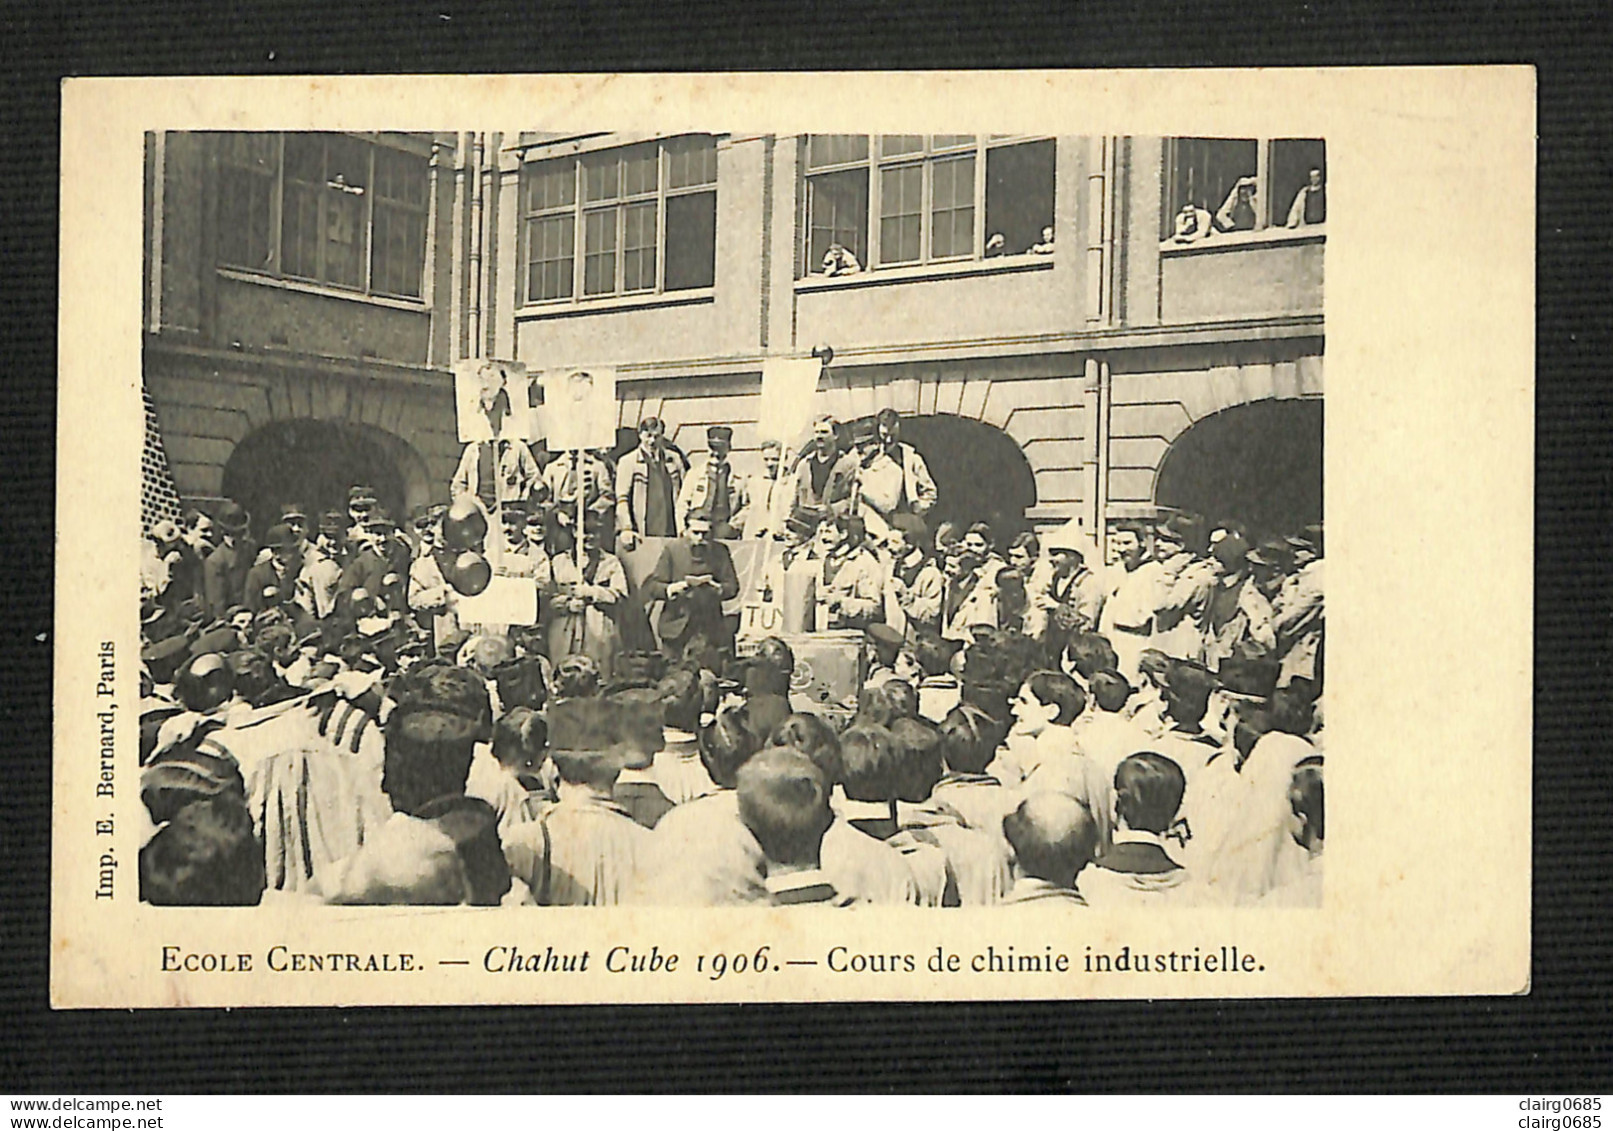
point(224, 572)
point(1053, 838)
point(585, 850)
point(1237, 619)
point(712, 485)
point(649, 482)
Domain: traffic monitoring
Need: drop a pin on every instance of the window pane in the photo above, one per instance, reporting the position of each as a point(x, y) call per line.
point(837, 213)
point(402, 177)
point(892, 145)
point(550, 184)
point(601, 177)
point(344, 239)
point(244, 215)
point(901, 200)
point(638, 247)
point(1019, 195)
point(638, 171)
point(952, 207)
point(255, 151)
point(836, 149)
point(305, 157)
point(347, 161)
point(398, 250)
point(951, 141)
point(550, 242)
point(692, 163)
point(691, 241)
point(599, 252)
point(299, 229)
point(1205, 171)
point(1292, 160)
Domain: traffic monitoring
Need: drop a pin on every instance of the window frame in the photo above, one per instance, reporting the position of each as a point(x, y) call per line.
point(932, 151)
point(619, 204)
point(274, 266)
point(1270, 216)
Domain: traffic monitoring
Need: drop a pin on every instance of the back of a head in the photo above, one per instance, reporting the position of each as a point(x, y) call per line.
point(918, 749)
point(1091, 652)
point(206, 856)
point(587, 740)
point(777, 653)
point(521, 683)
point(1057, 689)
point(1110, 691)
point(784, 802)
point(870, 769)
point(903, 698)
point(763, 678)
point(726, 744)
point(640, 719)
point(1052, 835)
point(934, 655)
point(812, 736)
point(520, 736)
point(969, 739)
point(1305, 799)
point(1292, 712)
point(485, 652)
point(576, 677)
point(681, 699)
point(873, 709)
point(1148, 791)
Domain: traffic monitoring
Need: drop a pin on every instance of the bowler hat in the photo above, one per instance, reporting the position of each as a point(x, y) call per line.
point(720, 432)
point(886, 635)
point(282, 536)
point(292, 510)
point(232, 516)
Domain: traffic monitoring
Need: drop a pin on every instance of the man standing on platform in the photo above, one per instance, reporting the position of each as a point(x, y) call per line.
point(895, 481)
point(824, 476)
point(694, 576)
point(649, 481)
point(712, 485)
point(765, 495)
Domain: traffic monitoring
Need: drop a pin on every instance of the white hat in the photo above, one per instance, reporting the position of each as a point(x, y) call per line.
point(1071, 536)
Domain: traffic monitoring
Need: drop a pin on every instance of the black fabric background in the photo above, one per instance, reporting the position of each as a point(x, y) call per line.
point(1556, 1039)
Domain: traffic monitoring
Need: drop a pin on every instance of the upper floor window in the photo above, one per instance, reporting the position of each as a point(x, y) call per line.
point(641, 219)
point(328, 208)
point(1217, 187)
point(901, 199)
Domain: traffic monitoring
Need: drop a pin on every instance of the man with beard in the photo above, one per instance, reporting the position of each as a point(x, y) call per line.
point(850, 583)
point(1068, 597)
point(1237, 619)
point(224, 572)
point(694, 576)
point(1132, 596)
point(971, 588)
point(894, 481)
point(915, 587)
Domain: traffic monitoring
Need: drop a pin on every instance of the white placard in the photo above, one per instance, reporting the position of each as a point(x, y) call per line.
point(506, 600)
point(579, 407)
point(789, 390)
point(490, 400)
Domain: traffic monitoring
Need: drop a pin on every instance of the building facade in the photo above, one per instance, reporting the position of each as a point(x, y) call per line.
point(1057, 338)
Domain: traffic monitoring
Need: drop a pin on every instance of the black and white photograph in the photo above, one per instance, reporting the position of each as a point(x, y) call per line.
point(635, 558)
point(925, 519)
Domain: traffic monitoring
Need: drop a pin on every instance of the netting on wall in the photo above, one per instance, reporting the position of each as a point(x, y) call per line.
point(159, 498)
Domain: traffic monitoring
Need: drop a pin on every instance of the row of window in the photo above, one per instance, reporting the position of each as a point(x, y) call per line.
point(350, 212)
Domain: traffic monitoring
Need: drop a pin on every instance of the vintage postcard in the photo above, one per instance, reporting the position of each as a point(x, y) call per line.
point(678, 538)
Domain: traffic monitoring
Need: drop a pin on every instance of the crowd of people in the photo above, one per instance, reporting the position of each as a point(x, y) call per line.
point(325, 719)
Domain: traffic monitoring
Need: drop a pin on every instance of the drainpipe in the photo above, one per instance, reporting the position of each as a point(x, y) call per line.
point(456, 264)
point(475, 265)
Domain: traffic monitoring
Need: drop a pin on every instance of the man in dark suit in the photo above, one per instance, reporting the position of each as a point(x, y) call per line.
point(274, 581)
point(224, 572)
point(694, 577)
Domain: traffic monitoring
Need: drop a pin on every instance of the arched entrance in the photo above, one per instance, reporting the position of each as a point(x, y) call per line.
point(979, 470)
point(314, 462)
point(1259, 463)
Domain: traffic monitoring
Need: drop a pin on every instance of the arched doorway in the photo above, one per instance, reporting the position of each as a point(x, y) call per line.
point(1259, 463)
point(314, 462)
point(979, 471)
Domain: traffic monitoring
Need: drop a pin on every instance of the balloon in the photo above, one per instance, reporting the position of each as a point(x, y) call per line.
point(464, 526)
point(470, 573)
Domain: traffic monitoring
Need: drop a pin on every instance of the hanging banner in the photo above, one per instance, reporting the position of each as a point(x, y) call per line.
point(578, 408)
point(789, 391)
point(490, 400)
